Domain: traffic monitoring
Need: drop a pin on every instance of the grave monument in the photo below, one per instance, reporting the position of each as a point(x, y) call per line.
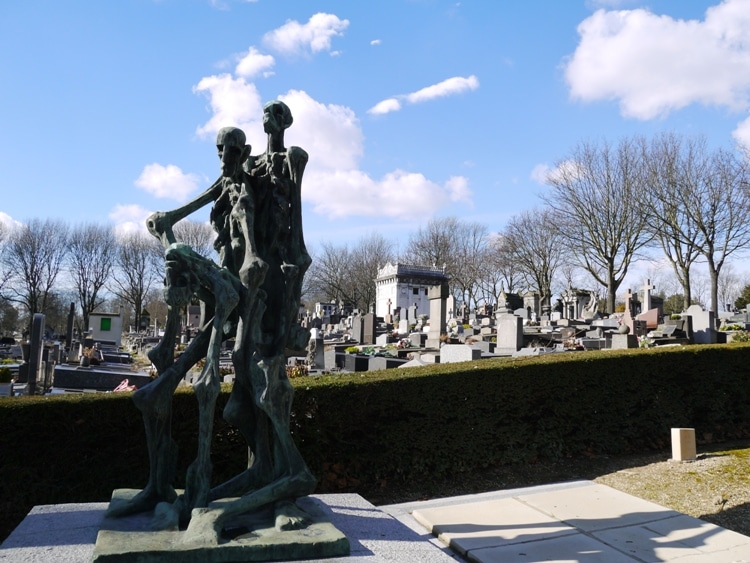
point(252, 295)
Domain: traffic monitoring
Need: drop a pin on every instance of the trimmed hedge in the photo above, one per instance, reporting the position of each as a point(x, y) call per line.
point(379, 429)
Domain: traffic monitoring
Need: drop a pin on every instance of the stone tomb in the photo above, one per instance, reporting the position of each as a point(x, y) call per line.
point(703, 324)
point(452, 353)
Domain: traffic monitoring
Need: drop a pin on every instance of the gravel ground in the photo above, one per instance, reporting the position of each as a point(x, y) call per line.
point(715, 487)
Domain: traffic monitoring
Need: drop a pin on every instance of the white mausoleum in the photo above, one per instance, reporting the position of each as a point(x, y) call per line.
point(403, 285)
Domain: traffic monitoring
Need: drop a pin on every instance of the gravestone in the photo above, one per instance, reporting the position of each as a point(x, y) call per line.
point(69, 328)
point(36, 365)
point(417, 339)
point(403, 327)
point(509, 333)
point(316, 352)
point(437, 294)
point(411, 314)
point(358, 329)
point(383, 339)
point(623, 341)
point(452, 353)
point(368, 331)
point(703, 325)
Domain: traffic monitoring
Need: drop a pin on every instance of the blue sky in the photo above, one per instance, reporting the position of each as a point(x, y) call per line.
point(409, 109)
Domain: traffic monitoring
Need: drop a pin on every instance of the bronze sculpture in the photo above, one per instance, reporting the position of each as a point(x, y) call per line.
point(253, 295)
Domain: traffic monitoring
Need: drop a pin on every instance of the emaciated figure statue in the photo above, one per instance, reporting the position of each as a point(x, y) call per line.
point(252, 294)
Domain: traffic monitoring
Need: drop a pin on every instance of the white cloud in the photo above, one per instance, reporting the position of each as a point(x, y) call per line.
point(656, 64)
point(167, 182)
point(386, 106)
point(253, 63)
point(129, 218)
point(458, 189)
point(568, 170)
point(448, 87)
point(540, 172)
point(234, 102)
point(342, 193)
point(742, 133)
point(9, 222)
point(294, 38)
point(330, 133)
point(333, 183)
point(375, 42)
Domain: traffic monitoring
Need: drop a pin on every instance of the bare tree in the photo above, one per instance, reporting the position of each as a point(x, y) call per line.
point(200, 237)
point(498, 271)
point(348, 275)
point(461, 247)
point(136, 271)
point(730, 287)
point(677, 166)
point(536, 246)
point(596, 193)
point(90, 262)
point(719, 208)
point(33, 257)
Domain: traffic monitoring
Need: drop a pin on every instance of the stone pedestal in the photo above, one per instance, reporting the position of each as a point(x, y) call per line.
point(509, 333)
point(683, 444)
point(624, 341)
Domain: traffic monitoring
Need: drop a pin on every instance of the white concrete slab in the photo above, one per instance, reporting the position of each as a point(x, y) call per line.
point(596, 507)
point(574, 548)
point(490, 523)
point(577, 521)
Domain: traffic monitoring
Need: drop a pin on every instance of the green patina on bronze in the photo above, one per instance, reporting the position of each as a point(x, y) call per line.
point(252, 295)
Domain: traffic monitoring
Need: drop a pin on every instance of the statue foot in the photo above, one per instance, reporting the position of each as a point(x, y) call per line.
point(252, 478)
point(144, 501)
point(205, 527)
point(289, 516)
point(198, 486)
point(167, 516)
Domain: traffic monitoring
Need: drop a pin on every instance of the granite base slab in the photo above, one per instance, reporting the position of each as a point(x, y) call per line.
point(66, 533)
point(251, 537)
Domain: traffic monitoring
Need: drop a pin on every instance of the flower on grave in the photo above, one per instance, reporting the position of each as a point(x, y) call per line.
point(645, 342)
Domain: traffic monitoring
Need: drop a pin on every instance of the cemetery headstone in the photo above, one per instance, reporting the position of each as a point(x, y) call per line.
point(452, 353)
point(509, 333)
point(703, 325)
point(369, 328)
point(438, 294)
point(36, 365)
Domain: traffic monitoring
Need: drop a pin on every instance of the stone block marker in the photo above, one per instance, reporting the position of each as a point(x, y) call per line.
point(683, 444)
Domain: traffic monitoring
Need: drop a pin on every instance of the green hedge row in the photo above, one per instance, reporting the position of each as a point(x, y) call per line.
point(366, 430)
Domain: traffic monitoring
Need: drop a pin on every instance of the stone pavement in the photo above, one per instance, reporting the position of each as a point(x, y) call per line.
point(580, 521)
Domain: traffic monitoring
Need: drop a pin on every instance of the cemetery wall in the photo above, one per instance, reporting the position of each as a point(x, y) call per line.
point(360, 432)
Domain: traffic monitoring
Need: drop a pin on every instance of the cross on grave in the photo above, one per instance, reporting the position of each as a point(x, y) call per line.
point(389, 303)
point(647, 287)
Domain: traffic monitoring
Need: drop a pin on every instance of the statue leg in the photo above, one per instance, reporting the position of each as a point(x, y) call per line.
point(292, 478)
point(155, 403)
point(207, 389)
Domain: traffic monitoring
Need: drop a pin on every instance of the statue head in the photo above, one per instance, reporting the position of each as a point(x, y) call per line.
point(230, 142)
point(276, 117)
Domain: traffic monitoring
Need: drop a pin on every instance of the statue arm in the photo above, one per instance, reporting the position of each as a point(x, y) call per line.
point(160, 223)
point(297, 159)
point(253, 269)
